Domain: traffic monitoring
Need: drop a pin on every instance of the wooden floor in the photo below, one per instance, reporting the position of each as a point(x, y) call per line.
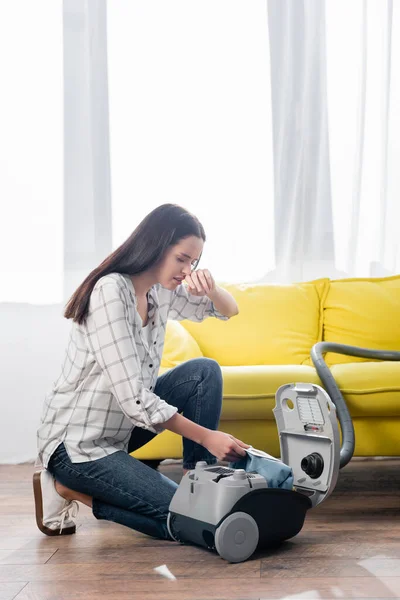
point(349, 548)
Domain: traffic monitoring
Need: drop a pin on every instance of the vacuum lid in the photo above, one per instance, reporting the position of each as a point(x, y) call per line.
point(309, 438)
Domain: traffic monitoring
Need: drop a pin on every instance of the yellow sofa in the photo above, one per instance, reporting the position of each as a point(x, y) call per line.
point(268, 344)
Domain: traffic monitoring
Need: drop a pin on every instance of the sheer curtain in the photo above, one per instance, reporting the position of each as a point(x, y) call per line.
point(304, 236)
point(31, 223)
point(335, 70)
point(190, 123)
point(56, 223)
point(363, 75)
point(276, 122)
point(31, 158)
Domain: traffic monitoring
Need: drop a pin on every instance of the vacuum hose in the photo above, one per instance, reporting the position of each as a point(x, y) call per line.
point(330, 385)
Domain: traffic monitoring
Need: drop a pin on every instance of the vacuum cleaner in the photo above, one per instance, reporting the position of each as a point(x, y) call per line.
point(234, 512)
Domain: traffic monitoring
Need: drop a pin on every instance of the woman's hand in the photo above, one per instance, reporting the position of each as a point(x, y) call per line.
point(224, 446)
point(200, 282)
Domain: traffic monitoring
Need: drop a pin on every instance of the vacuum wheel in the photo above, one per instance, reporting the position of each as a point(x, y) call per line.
point(169, 518)
point(237, 537)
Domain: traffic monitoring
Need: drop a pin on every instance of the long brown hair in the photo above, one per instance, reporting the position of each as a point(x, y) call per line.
point(163, 227)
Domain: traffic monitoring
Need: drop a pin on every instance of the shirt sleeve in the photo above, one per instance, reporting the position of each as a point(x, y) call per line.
point(195, 308)
point(111, 338)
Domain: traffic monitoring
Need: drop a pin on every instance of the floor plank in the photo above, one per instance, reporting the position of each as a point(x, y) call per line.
point(25, 557)
point(8, 591)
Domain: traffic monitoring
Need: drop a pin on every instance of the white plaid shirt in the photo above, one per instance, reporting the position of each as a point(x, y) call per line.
point(110, 369)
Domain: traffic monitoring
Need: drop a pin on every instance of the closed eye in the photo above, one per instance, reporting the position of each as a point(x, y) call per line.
point(193, 265)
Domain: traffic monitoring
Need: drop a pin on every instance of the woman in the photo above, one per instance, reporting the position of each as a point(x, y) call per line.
point(108, 400)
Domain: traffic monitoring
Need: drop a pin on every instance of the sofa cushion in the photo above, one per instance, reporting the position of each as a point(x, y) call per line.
point(370, 389)
point(249, 391)
point(277, 325)
point(179, 345)
point(362, 312)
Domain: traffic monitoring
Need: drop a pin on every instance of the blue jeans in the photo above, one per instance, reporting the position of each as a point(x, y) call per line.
point(125, 490)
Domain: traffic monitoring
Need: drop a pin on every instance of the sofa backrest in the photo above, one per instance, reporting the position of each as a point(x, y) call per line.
point(362, 312)
point(277, 324)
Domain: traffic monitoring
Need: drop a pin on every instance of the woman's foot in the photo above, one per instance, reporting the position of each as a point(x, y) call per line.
point(54, 513)
point(63, 491)
point(71, 495)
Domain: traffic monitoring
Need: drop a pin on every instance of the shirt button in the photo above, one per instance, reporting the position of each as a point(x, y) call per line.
point(155, 343)
point(153, 323)
point(151, 387)
point(150, 366)
point(137, 401)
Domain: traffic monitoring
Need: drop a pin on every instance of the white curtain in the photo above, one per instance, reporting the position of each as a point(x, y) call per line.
point(31, 224)
point(87, 192)
point(55, 66)
point(275, 121)
point(363, 76)
point(304, 235)
point(190, 123)
point(335, 80)
point(31, 152)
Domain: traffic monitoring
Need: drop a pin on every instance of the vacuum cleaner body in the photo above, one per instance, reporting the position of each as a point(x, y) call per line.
point(234, 512)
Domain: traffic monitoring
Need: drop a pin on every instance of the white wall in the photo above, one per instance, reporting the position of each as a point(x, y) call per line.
point(32, 345)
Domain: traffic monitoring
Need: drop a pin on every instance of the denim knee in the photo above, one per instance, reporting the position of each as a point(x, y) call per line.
point(210, 367)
